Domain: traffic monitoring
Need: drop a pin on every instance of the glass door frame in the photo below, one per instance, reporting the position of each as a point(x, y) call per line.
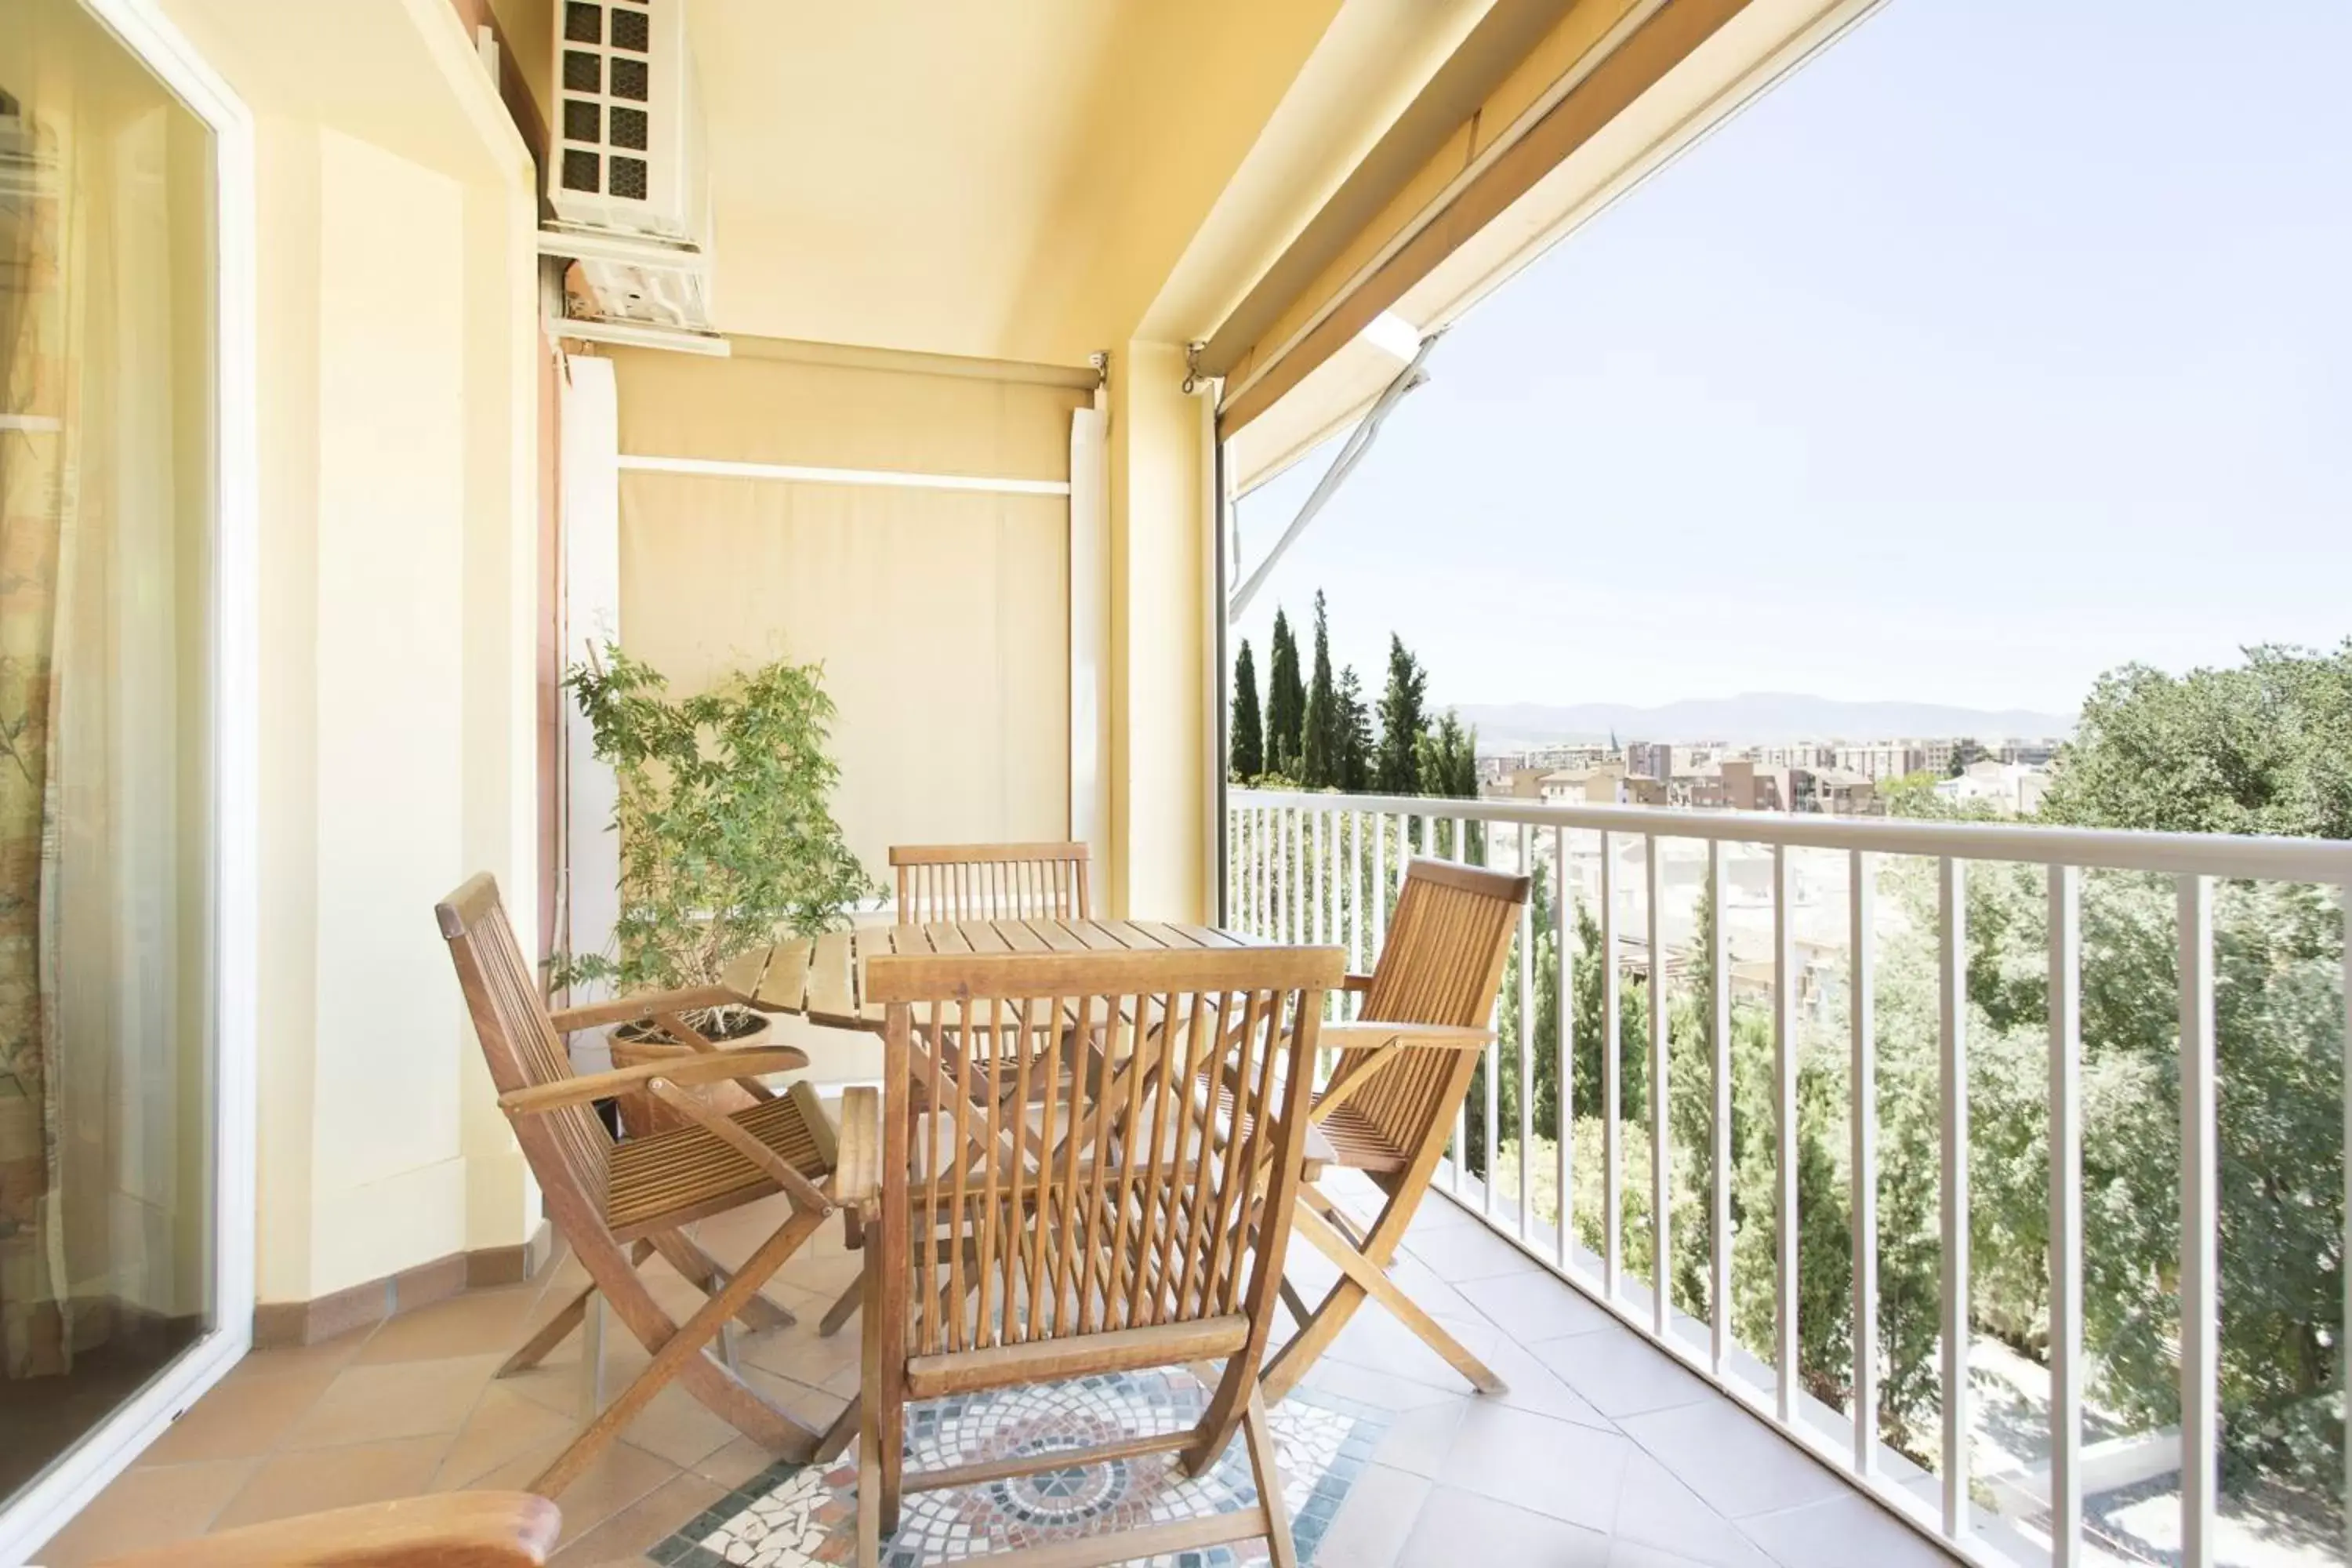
point(62, 1492)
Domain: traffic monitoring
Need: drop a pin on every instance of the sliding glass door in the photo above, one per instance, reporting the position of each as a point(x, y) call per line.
point(109, 1159)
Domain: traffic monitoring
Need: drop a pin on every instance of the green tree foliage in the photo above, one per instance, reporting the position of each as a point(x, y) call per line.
point(1356, 741)
point(1320, 739)
point(1248, 739)
point(1286, 702)
point(1396, 767)
point(2263, 747)
point(724, 816)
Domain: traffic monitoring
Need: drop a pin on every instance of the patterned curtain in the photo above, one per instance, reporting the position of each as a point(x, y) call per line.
point(40, 359)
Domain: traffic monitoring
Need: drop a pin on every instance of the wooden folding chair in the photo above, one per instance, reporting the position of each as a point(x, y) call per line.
point(453, 1530)
point(1069, 1251)
point(991, 881)
point(977, 883)
point(618, 1204)
point(1389, 1107)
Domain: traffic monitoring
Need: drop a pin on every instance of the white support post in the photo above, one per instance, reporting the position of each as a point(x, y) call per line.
point(1661, 1167)
point(2200, 1273)
point(1952, 972)
point(1784, 1138)
point(1612, 1172)
point(1718, 1012)
point(1863, 1202)
point(2065, 1217)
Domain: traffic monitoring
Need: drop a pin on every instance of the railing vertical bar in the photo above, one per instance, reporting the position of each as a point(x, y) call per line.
point(1380, 883)
point(1863, 1202)
point(1564, 1111)
point(1611, 1176)
point(2200, 1425)
point(1660, 1172)
point(1527, 1037)
point(1456, 850)
point(1357, 961)
point(1951, 952)
point(1490, 1127)
point(1784, 1137)
point(1718, 1013)
point(2065, 1217)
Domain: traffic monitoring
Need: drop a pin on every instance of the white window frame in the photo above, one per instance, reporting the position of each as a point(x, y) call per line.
point(66, 1487)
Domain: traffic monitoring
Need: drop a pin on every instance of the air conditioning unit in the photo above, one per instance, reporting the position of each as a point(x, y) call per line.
point(626, 170)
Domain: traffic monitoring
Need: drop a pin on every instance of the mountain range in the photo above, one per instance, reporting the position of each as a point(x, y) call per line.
point(1750, 717)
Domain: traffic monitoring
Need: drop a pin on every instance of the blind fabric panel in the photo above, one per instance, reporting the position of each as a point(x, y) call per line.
point(941, 620)
point(942, 616)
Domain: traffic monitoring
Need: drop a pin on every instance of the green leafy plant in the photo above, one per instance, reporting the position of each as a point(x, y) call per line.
point(727, 834)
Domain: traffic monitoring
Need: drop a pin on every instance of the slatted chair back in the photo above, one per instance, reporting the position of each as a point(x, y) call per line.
point(1077, 1236)
point(1441, 963)
point(991, 881)
point(519, 1039)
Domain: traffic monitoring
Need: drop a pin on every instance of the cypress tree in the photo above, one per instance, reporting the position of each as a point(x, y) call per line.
point(1318, 741)
point(1396, 766)
point(1286, 702)
point(1355, 743)
point(1247, 743)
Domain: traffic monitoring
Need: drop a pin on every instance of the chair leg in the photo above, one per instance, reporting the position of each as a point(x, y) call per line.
point(680, 1354)
point(1362, 1277)
point(557, 1329)
point(1265, 1466)
point(843, 1309)
point(686, 1255)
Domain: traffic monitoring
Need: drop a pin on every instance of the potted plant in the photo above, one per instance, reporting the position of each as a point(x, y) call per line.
point(726, 839)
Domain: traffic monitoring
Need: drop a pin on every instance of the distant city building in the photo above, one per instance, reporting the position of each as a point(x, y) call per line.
point(2013, 789)
point(1879, 759)
point(1650, 759)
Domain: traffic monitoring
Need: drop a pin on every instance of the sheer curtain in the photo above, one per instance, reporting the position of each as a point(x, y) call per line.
point(105, 463)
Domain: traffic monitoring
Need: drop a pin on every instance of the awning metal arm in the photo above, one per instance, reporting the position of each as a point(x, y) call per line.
point(1359, 441)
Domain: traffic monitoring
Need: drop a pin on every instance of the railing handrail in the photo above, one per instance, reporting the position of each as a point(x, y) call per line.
point(2224, 855)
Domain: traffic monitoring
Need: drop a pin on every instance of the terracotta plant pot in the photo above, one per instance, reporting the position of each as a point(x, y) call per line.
point(632, 1043)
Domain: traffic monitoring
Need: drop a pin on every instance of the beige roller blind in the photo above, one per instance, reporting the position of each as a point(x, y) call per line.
point(942, 616)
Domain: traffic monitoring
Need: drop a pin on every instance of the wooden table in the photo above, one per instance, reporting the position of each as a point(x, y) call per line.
point(822, 978)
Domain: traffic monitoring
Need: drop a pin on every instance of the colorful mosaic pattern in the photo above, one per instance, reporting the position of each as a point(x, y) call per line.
point(797, 1516)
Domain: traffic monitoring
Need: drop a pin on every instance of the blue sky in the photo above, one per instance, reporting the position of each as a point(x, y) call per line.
point(2005, 343)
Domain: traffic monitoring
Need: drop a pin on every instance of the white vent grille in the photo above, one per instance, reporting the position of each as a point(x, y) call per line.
point(628, 153)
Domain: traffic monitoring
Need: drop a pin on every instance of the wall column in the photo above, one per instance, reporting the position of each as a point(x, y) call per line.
point(1160, 648)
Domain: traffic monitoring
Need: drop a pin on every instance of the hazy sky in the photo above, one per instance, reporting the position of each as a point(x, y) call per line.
point(2008, 341)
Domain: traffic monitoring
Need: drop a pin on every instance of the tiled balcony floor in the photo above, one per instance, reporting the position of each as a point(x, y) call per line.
point(1602, 1453)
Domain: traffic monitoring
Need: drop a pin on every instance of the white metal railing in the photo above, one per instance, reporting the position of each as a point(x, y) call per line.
point(1295, 867)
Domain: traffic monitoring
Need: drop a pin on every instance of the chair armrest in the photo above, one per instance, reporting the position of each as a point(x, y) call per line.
point(1360, 984)
point(857, 1167)
point(1370, 1035)
point(642, 1006)
point(481, 1529)
point(709, 1067)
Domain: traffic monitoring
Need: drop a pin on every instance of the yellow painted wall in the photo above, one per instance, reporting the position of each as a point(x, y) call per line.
point(397, 433)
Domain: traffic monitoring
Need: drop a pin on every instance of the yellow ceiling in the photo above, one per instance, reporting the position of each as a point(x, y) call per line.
point(1028, 181)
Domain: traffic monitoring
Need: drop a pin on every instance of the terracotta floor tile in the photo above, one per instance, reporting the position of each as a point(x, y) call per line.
point(736, 1464)
point(404, 1399)
point(643, 1524)
point(147, 1506)
point(328, 1355)
point(473, 1323)
point(334, 1477)
point(678, 1427)
point(620, 1475)
point(244, 1417)
point(504, 1426)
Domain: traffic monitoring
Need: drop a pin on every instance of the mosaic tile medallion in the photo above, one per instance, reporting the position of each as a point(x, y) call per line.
point(794, 1516)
